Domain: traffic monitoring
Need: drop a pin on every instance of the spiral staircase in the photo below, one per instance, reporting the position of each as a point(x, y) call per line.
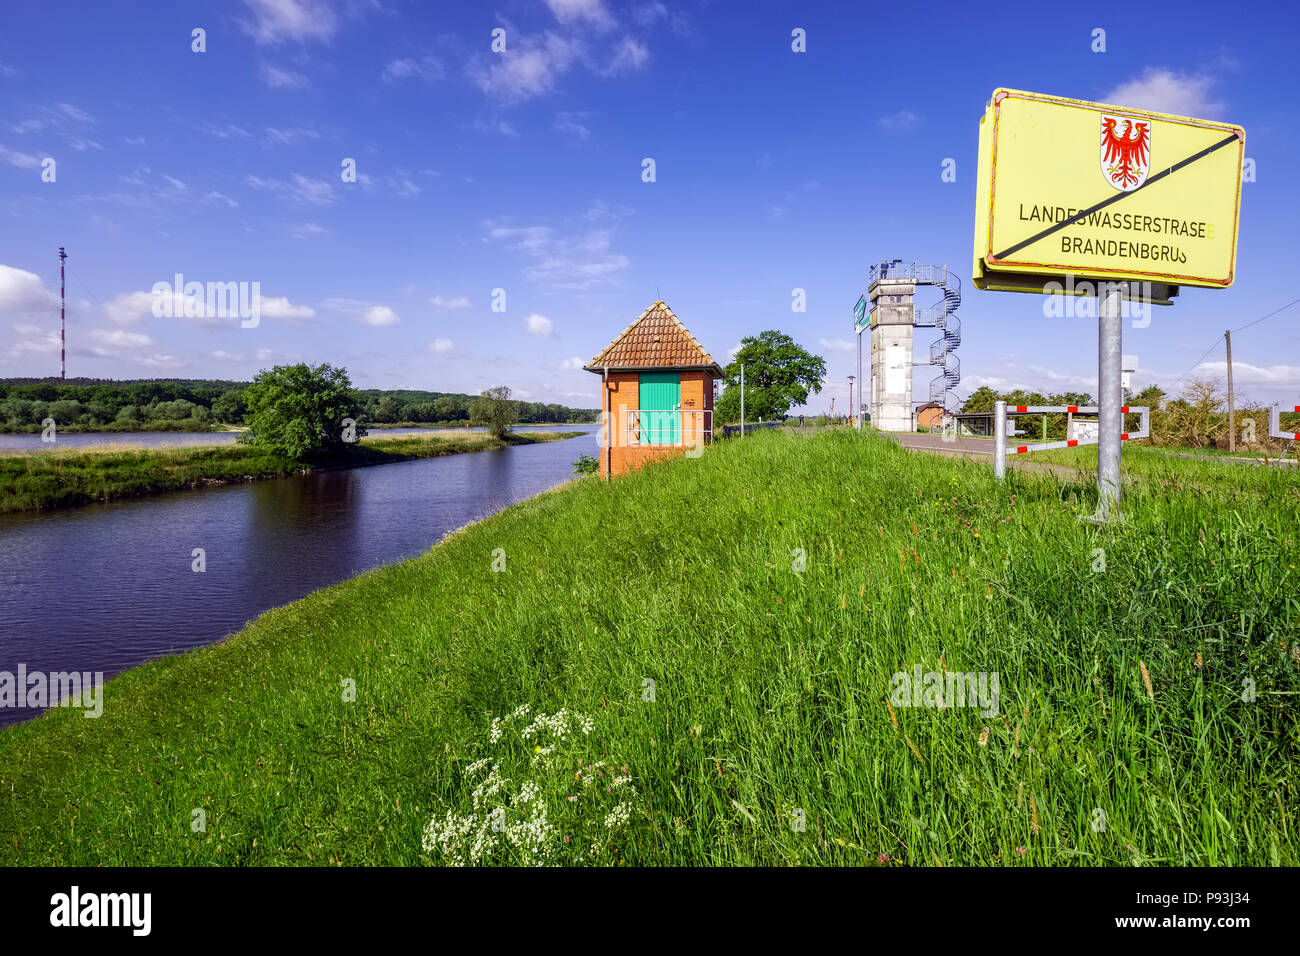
point(942, 316)
point(943, 353)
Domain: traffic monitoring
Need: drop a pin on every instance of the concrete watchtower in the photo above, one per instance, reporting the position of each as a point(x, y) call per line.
point(893, 317)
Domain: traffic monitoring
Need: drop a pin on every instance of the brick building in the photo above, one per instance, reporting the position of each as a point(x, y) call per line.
point(931, 415)
point(656, 392)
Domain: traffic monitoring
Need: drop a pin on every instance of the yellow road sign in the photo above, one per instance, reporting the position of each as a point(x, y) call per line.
point(1067, 187)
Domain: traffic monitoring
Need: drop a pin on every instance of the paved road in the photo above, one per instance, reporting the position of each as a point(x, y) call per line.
point(957, 446)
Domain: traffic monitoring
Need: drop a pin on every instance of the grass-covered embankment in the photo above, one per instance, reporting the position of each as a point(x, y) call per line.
point(34, 480)
point(1122, 735)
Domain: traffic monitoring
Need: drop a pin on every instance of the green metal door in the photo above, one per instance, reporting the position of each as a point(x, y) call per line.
point(660, 397)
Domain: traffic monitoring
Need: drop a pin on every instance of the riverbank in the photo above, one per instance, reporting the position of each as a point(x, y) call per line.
point(41, 480)
point(733, 661)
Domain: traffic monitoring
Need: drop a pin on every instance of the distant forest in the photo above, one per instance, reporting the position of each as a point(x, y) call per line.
point(87, 404)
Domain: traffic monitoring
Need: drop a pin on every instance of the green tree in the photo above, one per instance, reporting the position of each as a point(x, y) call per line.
point(299, 411)
point(230, 407)
point(1152, 397)
point(494, 409)
point(449, 408)
point(387, 409)
point(981, 400)
point(779, 373)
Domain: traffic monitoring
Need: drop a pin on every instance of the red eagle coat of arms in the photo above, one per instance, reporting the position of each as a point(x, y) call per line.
point(1125, 151)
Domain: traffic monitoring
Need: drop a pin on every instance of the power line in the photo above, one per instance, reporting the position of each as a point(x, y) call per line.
point(1195, 364)
point(1269, 316)
point(1220, 339)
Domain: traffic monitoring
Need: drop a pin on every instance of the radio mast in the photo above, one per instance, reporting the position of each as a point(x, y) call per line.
point(63, 320)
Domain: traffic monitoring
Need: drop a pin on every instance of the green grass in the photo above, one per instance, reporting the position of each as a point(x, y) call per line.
point(37, 480)
point(770, 685)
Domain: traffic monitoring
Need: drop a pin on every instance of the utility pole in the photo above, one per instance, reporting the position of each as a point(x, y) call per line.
point(63, 320)
point(742, 401)
point(1232, 407)
point(862, 399)
point(852, 407)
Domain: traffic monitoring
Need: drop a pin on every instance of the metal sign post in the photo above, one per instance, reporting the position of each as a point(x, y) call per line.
point(859, 326)
point(1065, 205)
point(1110, 333)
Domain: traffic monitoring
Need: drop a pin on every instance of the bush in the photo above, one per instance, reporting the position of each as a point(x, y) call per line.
point(302, 411)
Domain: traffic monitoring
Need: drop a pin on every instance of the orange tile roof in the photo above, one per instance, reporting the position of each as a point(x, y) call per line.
point(657, 339)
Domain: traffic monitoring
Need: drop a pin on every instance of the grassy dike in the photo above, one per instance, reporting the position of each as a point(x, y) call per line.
point(36, 480)
point(1121, 737)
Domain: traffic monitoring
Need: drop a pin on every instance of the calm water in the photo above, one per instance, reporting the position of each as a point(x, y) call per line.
point(106, 587)
point(189, 439)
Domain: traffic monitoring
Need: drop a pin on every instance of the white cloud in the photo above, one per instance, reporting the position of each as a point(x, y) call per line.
point(279, 307)
point(454, 302)
point(129, 308)
point(426, 68)
point(1246, 374)
point(289, 137)
point(21, 160)
point(896, 122)
point(529, 69)
point(495, 126)
point(571, 262)
point(119, 338)
point(23, 295)
point(629, 55)
point(539, 325)
point(132, 308)
point(369, 313)
point(312, 192)
point(380, 315)
point(837, 345)
point(229, 131)
point(279, 78)
point(307, 230)
point(573, 363)
point(275, 21)
point(1164, 91)
point(568, 123)
point(581, 11)
point(441, 346)
point(215, 198)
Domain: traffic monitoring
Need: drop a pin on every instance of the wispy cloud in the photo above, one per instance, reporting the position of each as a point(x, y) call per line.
point(449, 302)
point(425, 69)
point(281, 78)
point(368, 313)
point(1165, 91)
point(899, 121)
point(278, 21)
point(290, 136)
point(568, 123)
point(572, 262)
point(301, 189)
point(529, 69)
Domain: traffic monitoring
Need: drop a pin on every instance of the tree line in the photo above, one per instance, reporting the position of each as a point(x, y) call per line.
point(201, 405)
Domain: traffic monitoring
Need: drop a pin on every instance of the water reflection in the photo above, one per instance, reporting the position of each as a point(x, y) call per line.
point(106, 587)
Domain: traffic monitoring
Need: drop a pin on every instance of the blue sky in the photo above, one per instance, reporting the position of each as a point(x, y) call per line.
point(522, 171)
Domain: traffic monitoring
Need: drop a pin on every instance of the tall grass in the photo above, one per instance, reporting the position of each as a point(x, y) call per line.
point(1122, 735)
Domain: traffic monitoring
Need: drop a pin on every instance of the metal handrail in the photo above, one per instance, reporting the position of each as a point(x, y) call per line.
point(632, 427)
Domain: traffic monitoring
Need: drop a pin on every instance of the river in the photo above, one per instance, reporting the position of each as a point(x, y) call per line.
point(31, 441)
point(108, 586)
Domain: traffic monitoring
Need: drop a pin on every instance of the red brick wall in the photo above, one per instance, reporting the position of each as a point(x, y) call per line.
point(623, 393)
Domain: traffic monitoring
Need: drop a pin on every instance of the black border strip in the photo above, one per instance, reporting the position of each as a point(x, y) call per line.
point(1056, 227)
